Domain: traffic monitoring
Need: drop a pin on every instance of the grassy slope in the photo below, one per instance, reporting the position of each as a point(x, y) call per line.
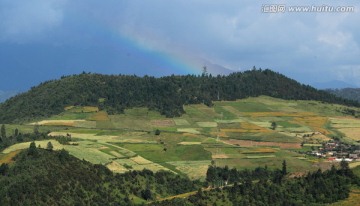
point(116, 139)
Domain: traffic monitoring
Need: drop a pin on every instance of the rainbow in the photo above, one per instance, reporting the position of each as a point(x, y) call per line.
point(163, 62)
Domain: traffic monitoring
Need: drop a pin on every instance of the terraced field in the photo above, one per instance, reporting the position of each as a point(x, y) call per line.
point(237, 134)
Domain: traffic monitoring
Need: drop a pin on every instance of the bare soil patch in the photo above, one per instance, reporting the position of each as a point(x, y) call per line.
point(163, 123)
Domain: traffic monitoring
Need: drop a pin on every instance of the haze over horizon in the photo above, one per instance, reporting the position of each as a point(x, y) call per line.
point(45, 39)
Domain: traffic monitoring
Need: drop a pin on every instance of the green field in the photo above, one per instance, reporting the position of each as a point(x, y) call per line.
point(187, 144)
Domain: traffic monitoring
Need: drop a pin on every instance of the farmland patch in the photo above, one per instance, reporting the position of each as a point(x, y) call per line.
point(188, 130)
point(249, 143)
point(8, 157)
point(181, 122)
point(189, 143)
point(99, 116)
point(25, 145)
point(207, 124)
point(194, 169)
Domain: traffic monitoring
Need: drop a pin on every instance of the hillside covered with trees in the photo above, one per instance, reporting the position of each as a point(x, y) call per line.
point(166, 94)
point(47, 177)
point(271, 187)
point(346, 93)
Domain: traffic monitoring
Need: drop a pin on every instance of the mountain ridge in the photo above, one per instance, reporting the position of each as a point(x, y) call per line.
point(347, 93)
point(167, 95)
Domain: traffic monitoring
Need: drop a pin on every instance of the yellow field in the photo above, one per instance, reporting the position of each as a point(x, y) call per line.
point(230, 121)
point(116, 167)
point(190, 135)
point(107, 138)
point(68, 123)
point(232, 110)
point(116, 154)
point(153, 167)
point(348, 126)
point(207, 124)
point(352, 200)
point(188, 130)
point(317, 123)
point(68, 108)
point(203, 109)
point(24, 145)
point(261, 150)
point(90, 109)
point(352, 133)
point(247, 127)
point(189, 143)
point(140, 160)
point(344, 122)
point(100, 116)
point(249, 143)
point(194, 169)
point(354, 164)
point(8, 158)
point(79, 109)
point(219, 156)
point(279, 114)
point(163, 123)
point(318, 138)
point(181, 122)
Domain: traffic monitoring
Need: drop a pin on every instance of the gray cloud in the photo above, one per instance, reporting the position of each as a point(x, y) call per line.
point(236, 34)
point(23, 21)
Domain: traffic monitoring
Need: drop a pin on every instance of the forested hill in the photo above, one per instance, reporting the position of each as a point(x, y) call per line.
point(347, 93)
point(47, 177)
point(166, 94)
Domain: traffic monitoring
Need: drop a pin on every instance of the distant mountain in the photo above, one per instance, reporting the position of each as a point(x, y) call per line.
point(346, 93)
point(114, 93)
point(334, 84)
point(214, 69)
point(4, 95)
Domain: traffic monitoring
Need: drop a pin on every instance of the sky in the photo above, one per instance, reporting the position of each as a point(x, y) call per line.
point(46, 39)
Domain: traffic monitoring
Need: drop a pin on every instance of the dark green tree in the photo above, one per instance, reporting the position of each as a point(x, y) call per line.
point(3, 131)
point(32, 149)
point(146, 194)
point(49, 146)
point(204, 71)
point(4, 168)
point(273, 125)
point(157, 132)
point(211, 175)
point(36, 129)
point(345, 169)
point(16, 132)
point(283, 169)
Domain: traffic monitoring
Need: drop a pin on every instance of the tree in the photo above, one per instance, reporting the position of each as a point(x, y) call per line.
point(283, 170)
point(49, 146)
point(345, 169)
point(211, 175)
point(4, 168)
point(3, 131)
point(146, 194)
point(157, 132)
point(32, 149)
point(273, 125)
point(36, 129)
point(16, 133)
point(204, 71)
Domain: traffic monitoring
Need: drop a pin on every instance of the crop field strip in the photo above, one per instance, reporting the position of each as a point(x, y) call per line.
point(126, 141)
